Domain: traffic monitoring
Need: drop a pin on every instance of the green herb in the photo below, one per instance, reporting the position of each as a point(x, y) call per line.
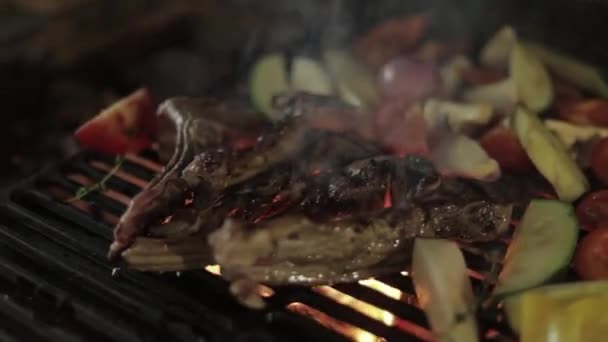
point(100, 186)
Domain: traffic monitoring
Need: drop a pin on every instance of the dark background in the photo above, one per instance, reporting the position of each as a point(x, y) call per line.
point(61, 61)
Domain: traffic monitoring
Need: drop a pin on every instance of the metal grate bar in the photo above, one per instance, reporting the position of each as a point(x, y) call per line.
point(70, 239)
point(409, 312)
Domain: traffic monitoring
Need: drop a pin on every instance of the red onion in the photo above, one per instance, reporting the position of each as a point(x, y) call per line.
point(408, 79)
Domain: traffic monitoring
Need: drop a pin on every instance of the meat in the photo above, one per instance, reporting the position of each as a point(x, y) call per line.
point(305, 204)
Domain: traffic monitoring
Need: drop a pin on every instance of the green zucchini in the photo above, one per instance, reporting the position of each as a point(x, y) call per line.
point(268, 78)
point(542, 247)
point(550, 156)
point(309, 76)
point(581, 74)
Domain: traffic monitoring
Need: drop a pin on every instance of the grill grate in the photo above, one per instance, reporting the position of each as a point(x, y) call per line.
point(56, 284)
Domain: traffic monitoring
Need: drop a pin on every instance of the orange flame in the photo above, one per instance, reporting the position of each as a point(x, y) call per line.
point(348, 330)
point(386, 290)
point(375, 312)
point(263, 290)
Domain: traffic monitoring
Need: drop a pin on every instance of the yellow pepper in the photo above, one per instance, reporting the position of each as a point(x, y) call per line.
point(565, 313)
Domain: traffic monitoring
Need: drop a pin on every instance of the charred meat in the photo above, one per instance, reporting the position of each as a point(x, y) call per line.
point(306, 202)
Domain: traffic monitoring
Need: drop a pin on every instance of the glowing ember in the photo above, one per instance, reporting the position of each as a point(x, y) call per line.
point(388, 200)
point(350, 331)
point(374, 312)
point(167, 219)
point(262, 290)
point(367, 309)
point(386, 290)
point(214, 269)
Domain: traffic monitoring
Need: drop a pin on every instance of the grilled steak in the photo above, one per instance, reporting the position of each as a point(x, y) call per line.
point(306, 203)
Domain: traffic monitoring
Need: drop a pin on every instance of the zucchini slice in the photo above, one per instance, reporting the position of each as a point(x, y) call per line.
point(354, 81)
point(502, 95)
point(268, 78)
point(542, 246)
point(534, 86)
point(550, 156)
point(444, 289)
point(581, 74)
point(570, 134)
point(309, 76)
point(497, 51)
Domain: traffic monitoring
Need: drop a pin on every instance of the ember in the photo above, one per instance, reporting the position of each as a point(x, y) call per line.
point(265, 214)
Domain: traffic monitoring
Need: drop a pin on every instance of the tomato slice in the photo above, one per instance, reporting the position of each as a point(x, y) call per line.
point(502, 145)
point(591, 258)
point(127, 126)
point(480, 76)
point(599, 160)
point(584, 112)
point(593, 209)
point(390, 38)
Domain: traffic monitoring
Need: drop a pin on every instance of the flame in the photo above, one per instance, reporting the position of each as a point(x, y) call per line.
point(263, 290)
point(374, 312)
point(367, 309)
point(214, 269)
point(381, 287)
point(348, 330)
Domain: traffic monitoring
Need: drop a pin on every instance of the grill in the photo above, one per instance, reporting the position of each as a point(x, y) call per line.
point(56, 285)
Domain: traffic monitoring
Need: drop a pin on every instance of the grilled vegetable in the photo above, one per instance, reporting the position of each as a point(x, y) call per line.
point(497, 51)
point(459, 155)
point(534, 86)
point(444, 289)
point(592, 112)
point(599, 160)
point(591, 258)
point(480, 76)
point(550, 156)
point(268, 78)
point(127, 126)
point(542, 246)
point(407, 79)
point(583, 75)
point(501, 95)
point(451, 74)
point(458, 117)
point(390, 38)
point(570, 134)
point(502, 145)
point(561, 295)
point(593, 208)
point(354, 81)
point(309, 76)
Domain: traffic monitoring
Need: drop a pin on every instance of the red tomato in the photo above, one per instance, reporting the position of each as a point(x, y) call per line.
point(566, 91)
point(502, 145)
point(591, 257)
point(584, 112)
point(127, 126)
point(480, 76)
point(593, 209)
point(390, 38)
point(599, 160)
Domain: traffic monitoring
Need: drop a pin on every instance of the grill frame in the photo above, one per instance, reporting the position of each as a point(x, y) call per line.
point(54, 254)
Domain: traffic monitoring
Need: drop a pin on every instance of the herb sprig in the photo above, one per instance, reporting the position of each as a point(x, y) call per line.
point(100, 186)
